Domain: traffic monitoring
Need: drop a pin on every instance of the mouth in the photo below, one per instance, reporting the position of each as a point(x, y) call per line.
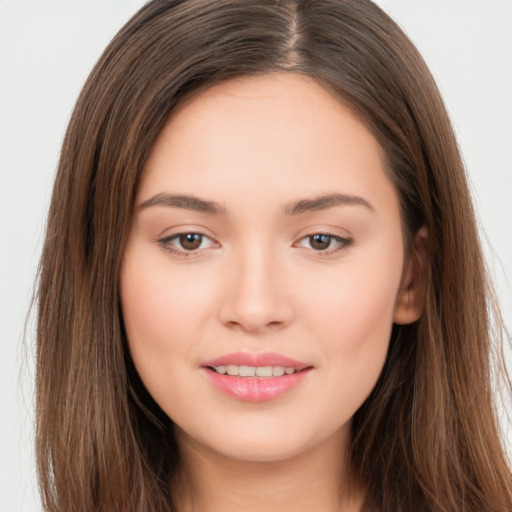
point(262, 372)
point(256, 377)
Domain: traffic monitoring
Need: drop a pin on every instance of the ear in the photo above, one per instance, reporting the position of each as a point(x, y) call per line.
point(411, 295)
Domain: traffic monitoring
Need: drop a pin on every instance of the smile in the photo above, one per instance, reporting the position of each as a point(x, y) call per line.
point(254, 371)
point(255, 377)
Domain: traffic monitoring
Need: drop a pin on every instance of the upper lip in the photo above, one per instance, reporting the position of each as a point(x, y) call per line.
point(258, 360)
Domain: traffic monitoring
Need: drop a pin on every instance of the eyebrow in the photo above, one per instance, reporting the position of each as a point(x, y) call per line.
point(184, 201)
point(324, 202)
point(188, 202)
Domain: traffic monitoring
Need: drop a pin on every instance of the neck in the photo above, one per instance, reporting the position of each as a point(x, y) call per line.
point(313, 480)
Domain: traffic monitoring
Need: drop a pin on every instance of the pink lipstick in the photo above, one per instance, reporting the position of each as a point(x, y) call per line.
point(255, 377)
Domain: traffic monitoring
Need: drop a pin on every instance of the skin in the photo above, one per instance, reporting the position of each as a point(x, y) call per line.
point(256, 146)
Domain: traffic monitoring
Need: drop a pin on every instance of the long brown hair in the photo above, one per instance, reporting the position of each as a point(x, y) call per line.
point(427, 437)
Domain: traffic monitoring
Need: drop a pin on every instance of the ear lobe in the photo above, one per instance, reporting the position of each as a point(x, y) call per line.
point(411, 295)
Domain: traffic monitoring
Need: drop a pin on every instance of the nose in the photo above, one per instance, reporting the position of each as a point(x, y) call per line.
point(257, 297)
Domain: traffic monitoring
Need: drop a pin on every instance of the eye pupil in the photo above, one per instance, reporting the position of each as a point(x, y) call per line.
point(320, 241)
point(190, 241)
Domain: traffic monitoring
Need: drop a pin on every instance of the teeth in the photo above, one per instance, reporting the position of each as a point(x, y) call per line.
point(264, 371)
point(247, 371)
point(254, 371)
point(232, 369)
point(277, 371)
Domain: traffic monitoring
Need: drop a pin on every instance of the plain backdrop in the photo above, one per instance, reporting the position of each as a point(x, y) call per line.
point(47, 49)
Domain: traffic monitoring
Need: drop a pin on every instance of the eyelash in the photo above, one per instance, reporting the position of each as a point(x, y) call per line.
point(342, 243)
point(184, 253)
point(166, 243)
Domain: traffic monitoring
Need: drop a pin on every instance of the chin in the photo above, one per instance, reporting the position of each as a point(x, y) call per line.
point(275, 449)
point(261, 441)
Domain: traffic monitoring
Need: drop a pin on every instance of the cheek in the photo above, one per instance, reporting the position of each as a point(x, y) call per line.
point(361, 312)
point(353, 319)
point(352, 302)
point(163, 311)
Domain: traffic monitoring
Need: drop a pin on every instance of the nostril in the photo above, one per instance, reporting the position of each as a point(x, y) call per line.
point(254, 299)
point(254, 325)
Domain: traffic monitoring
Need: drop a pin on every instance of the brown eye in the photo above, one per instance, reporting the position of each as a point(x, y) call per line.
point(324, 244)
point(320, 242)
point(190, 241)
point(187, 244)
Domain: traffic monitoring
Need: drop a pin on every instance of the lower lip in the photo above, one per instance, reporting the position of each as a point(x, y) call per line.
point(255, 389)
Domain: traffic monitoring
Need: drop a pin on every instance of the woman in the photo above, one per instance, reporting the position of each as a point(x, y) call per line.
point(261, 286)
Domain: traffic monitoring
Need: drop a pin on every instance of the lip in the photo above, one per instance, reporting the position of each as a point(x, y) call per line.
point(263, 359)
point(255, 389)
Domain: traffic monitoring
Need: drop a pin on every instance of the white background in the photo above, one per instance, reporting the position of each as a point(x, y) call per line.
point(47, 48)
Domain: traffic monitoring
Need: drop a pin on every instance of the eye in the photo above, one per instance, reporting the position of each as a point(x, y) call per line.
point(324, 242)
point(187, 243)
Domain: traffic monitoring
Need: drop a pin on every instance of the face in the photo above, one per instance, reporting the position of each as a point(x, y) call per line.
point(264, 268)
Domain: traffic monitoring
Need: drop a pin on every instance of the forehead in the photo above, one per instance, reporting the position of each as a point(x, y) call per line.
point(275, 136)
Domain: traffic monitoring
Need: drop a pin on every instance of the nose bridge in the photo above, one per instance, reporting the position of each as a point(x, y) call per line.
point(256, 298)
